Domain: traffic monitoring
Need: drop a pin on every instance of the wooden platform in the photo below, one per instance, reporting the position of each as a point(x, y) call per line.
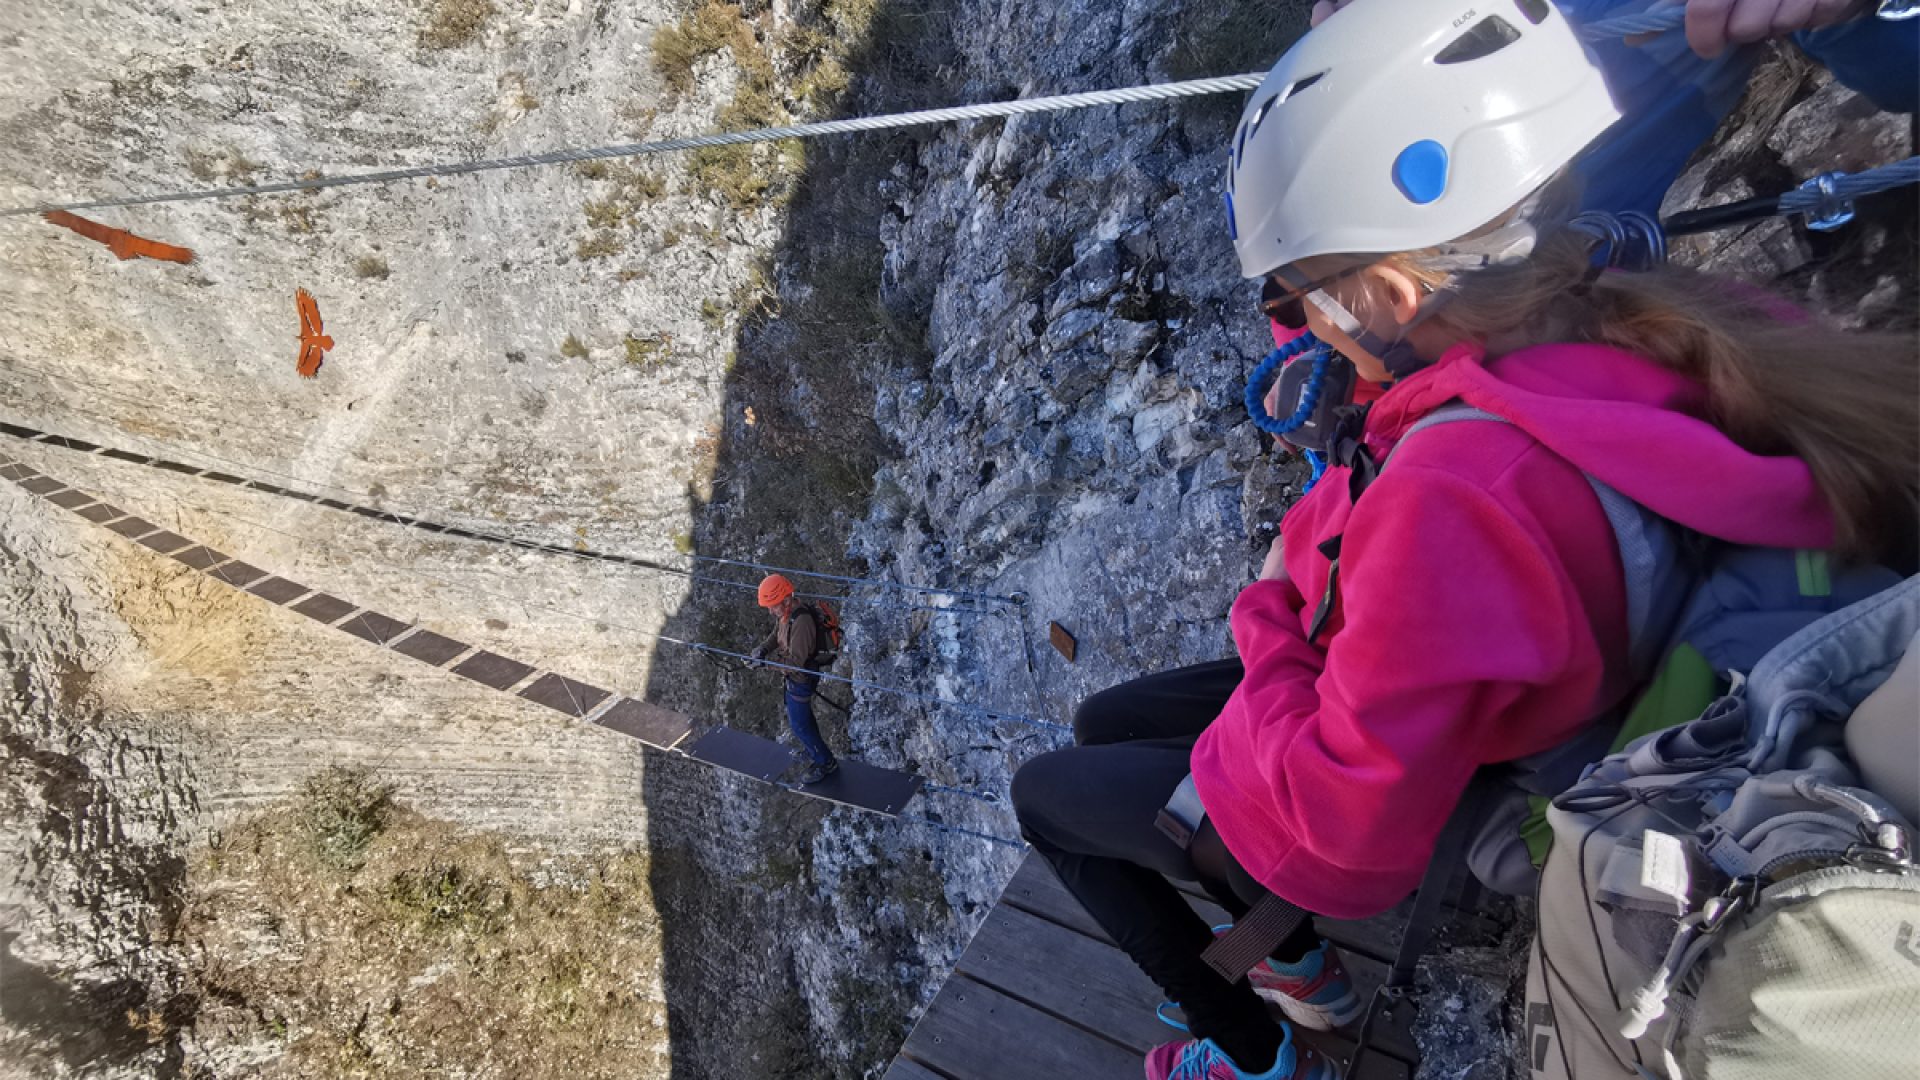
point(1042, 994)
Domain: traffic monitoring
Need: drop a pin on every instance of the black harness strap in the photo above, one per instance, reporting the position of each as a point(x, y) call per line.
point(1254, 937)
point(1331, 549)
point(1449, 854)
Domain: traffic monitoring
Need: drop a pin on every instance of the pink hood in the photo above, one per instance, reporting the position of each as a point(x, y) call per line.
point(1480, 615)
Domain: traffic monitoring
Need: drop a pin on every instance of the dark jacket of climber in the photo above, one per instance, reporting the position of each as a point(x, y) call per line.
point(795, 643)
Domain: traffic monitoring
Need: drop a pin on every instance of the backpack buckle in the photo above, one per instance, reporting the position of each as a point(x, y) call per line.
point(1739, 896)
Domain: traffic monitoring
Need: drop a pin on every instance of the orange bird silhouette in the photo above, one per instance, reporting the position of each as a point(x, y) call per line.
point(314, 343)
point(119, 241)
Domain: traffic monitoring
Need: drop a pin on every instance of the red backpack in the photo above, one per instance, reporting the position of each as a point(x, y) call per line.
point(826, 624)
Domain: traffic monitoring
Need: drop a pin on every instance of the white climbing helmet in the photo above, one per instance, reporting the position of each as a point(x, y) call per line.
point(1402, 124)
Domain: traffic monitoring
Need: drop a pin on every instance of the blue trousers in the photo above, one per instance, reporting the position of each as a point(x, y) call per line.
point(805, 727)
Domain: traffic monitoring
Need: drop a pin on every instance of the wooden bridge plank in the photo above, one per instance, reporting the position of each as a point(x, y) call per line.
point(869, 787)
point(1068, 974)
point(323, 608)
point(735, 750)
point(646, 722)
point(857, 784)
point(132, 527)
point(200, 557)
point(1090, 985)
point(235, 573)
point(908, 1069)
point(1035, 890)
point(973, 1032)
point(492, 669)
point(561, 694)
point(426, 646)
point(277, 590)
point(375, 627)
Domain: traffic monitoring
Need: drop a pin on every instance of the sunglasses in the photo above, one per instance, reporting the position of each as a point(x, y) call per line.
point(1288, 307)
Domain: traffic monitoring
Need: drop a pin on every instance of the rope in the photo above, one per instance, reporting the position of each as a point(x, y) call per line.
point(921, 589)
point(1263, 374)
point(1844, 186)
point(1825, 200)
point(857, 683)
point(1657, 21)
point(985, 714)
point(987, 797)
point(415, 520)
point(1020, 845)
point(680, 753)
point(951, 114)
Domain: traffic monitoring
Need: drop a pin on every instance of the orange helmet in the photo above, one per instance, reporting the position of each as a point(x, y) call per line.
point(773, 590)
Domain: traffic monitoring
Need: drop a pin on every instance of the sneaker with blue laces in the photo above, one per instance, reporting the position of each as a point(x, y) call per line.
point(1315, 991)
point(1202, 1060)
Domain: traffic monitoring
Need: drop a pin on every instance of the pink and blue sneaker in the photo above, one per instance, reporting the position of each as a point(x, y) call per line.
point(1202, 1060)
point(1315, 991)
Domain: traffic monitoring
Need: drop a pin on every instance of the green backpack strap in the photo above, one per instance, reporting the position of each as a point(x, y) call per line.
point(1685, 685)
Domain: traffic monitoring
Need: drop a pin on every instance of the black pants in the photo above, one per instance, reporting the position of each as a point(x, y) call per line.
point(1090, 811)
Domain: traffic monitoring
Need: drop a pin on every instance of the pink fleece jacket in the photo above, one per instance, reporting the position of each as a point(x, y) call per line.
point(1481, 608)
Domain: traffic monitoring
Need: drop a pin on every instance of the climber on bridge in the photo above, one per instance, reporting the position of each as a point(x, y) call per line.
point(1400, 181)
point(801, 641)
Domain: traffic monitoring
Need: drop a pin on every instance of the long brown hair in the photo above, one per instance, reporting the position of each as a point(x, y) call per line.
point(1778, 382)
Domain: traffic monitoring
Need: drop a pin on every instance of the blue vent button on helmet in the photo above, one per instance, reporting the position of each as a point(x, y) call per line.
point(1233, 227)
point(1420, 172)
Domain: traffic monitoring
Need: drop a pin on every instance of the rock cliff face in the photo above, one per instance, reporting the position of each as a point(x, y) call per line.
point(1004, 356)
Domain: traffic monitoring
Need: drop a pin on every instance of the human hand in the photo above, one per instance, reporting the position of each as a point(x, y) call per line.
point(1712, 25)
point(1275, 568)
point(1324, 8)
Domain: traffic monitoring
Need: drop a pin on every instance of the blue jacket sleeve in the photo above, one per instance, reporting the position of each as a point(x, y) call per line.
point(1878, 58)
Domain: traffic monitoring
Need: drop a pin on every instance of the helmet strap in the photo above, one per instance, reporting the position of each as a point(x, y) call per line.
point(1397, 354)
point(1510, 243)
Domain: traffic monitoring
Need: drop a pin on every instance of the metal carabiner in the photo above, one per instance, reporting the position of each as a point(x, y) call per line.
point(1883, 849)
point(1739, 895)
point(1833, 211)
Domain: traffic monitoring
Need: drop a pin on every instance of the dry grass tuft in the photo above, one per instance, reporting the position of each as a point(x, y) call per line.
point(706, 30)
point(340, 810)
point(453, 23)
point(436, 954)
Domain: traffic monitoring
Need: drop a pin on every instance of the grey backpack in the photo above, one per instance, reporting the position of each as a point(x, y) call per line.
point(1736, 898)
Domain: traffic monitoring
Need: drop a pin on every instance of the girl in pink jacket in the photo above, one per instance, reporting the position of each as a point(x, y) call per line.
point(1395, 179)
